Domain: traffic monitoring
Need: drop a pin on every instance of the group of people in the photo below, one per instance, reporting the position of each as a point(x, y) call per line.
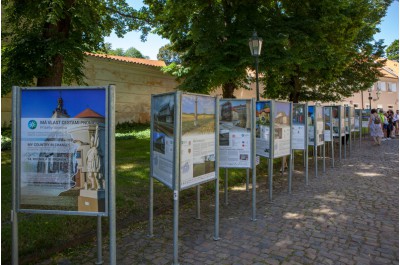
point(383, 125)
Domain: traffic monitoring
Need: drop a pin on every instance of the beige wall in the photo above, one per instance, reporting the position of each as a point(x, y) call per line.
point(134, 85)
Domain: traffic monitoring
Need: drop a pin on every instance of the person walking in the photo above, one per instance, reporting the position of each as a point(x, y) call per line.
point(389, 127)
point(396, 122)
point(375, 127)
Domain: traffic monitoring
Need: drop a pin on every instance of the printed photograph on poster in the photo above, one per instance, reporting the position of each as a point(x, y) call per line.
point(163, 114)
point(320, 124)
point(282, 129)
point(310, 121)
point(263, 118)
point(63, 150)
point(163, 111)
point(298, 114)
point(198, 139)
point(234, 133)
point(365, 114)
point(298, 127)
point(327, 123)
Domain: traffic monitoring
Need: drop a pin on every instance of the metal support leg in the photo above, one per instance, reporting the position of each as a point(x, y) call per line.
point(254, 189)
point(99, 242)
point(151, 206)
point(247, 179)
point(316, 160)
point(216, 220)
point(226, 187)
point(176, 227)
point(270, 176)
point(324, 157)
point(198, 202)
point(290, 168)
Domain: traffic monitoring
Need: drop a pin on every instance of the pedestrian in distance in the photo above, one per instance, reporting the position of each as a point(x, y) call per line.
point(375, 127)
point(396, 122)
point(389, 126)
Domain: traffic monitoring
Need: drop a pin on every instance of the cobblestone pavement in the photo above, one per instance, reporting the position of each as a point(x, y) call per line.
point(349, 215)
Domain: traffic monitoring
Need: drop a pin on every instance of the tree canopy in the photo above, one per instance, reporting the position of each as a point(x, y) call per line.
point(46, 39)
point(392, 52)
point(315, 49)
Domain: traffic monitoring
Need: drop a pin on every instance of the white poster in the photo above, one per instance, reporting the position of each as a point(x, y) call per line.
point(282, 135)
point(198, 140)
point(163, 115)
point(327, 120)
point(63, 150)
point(298, 137)
point(263, 116)
point(235, 134)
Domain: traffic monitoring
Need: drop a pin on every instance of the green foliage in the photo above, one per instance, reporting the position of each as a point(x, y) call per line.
point(392, 52)
point(166, 54)
point(312, 50)
point(47, 39)
point(321, 50)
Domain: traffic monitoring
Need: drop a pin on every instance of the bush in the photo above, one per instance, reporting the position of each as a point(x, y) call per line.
point(6, 138)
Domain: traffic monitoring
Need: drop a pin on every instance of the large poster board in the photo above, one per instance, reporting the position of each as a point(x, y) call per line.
point(263, 122)
point(328, 137)
point(357, 120)
point(352, 118)
point(198, 146)
point(162, 137)
point(299, 126)
point(365, 114)
point(338, 121)
point(235, 133)
point(63, 150)
point(315, 118)
point(282, 137)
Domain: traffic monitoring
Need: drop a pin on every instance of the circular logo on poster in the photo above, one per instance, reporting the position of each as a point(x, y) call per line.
point(32, 124)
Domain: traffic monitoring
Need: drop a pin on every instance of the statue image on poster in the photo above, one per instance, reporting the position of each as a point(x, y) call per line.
point(263, 118)
point(298, 127)
point(163, 116)
point(235, 133)
point(63, 150)
point(198, 139)
point(282, 129)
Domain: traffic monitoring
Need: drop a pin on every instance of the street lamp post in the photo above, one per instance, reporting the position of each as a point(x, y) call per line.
point(369, 97)
point(255, 44)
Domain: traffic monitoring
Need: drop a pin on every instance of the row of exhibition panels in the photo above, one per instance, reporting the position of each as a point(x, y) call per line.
point(194, 135)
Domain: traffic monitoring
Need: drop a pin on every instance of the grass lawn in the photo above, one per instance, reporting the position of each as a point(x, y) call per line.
point(42, 235)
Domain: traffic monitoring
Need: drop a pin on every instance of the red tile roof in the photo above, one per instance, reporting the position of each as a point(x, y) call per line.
point(88, 113)
point(129, 59)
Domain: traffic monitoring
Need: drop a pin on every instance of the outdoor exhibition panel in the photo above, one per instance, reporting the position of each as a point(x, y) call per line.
point(365, 115)
point(349, 120)
point(64, 157)
point(357, 123)
point(338, 125)
point(274, 116)
point(300, 133)
point(328, 132)
point(316, 131)
point(237, 140)
point(184, 148)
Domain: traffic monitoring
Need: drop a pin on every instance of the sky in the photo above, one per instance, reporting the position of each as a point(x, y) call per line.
point(389, 32)
point(42, 103)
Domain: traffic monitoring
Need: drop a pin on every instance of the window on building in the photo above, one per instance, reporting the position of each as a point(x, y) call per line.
point(379, 106)
point(392, 87)
point(382, 86)
point(346, 104)
point(367, 106)
point(356, 105)
point(390, 107)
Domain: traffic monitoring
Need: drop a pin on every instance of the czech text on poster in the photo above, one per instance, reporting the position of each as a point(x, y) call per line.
point(163, 115)
point(63, 150)
point(198, 140)
point(235, 134)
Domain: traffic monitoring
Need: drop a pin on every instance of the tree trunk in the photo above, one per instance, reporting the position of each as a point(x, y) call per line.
point(228, 89)
point(294, 95)
point(58, 31)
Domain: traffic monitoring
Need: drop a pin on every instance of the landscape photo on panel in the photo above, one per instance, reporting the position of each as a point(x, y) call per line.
point(63, 150)
point(198, 139)
point(163, 119)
